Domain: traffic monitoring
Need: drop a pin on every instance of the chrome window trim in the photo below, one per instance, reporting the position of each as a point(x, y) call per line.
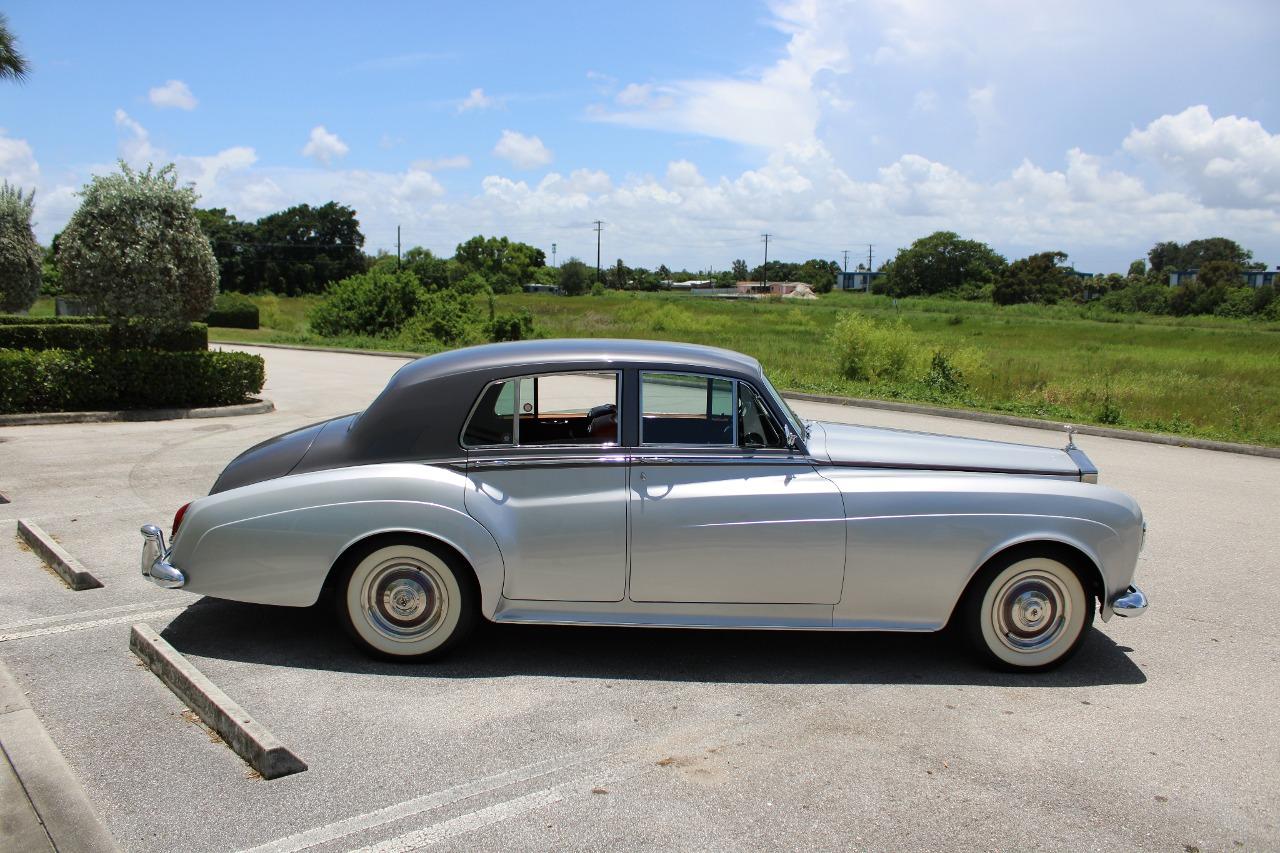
point(733, 404)
point(515, 414)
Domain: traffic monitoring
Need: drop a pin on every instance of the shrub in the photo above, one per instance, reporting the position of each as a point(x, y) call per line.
point(516, 326)
point(20, 256)
point(25, 320)
point(233, 311)
point(97, 336)
point(66, 380)
point(445, 318)
point(871, 352)
point(373, 303)
point(134, 248)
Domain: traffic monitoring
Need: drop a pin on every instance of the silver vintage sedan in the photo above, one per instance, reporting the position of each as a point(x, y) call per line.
point(604, 482)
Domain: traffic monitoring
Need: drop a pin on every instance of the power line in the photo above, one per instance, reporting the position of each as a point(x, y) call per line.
point(599, 229)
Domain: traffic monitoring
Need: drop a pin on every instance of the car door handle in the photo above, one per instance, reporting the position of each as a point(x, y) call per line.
point(657, 460)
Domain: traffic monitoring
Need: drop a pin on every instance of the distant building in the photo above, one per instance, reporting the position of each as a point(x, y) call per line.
point(859, 280)
point(542, 288)
point(1250, 278)
point(773, 288)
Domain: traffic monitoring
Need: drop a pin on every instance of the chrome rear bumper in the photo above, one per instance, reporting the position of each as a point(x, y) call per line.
point(155, 560)
point(1131, 602)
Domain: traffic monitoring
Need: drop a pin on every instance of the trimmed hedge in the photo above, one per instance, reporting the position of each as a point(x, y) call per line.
point(71, 381)
point(25, 320)
point(233, 311)
point(99, 336)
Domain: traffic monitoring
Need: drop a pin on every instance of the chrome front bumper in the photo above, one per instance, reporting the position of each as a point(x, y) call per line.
point(1131, 602)
point(155, 560)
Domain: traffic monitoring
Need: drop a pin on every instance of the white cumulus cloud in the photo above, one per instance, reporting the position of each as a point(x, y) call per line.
point(1228, 162)
point(172, 95)
point(323, 146)
point(477, 100)
point(523, 152)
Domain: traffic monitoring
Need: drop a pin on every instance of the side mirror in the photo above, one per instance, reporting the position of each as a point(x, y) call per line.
point(793, 440)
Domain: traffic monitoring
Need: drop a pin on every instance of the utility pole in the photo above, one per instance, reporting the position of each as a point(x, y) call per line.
point(599, 228)
point(553, 254)
point(846, 260)
point(397, 248)
point(868, 257)
point(765, 268)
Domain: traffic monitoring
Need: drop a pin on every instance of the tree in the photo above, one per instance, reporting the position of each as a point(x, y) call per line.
point(432, 272)
point(1220, 274)
point(20, 255)
point(1197, 253)
point(740, 271)
point(575, 277)
point(618, 276)
point(1038, 278)
point(13, 65)
point(818, 273)
point(232, 242)
point(941, 263)
point(505, 264)
point(303, 249)
point(1138, 269)
point(134, 248)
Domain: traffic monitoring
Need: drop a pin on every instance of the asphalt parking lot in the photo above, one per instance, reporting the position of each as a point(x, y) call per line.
point(1162, 734)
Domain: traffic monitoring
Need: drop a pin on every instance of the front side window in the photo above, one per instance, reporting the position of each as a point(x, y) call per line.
point(550, 409)
point(684, 408)
point(757, 426)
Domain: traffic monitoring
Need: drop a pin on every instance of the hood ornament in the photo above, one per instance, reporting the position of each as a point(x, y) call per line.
point(1071, 436)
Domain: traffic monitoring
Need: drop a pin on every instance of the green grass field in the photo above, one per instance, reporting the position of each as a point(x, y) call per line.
point(1203, 376)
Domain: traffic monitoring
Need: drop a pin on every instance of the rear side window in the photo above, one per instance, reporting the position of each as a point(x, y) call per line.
point(546, 410)
point(686, 408)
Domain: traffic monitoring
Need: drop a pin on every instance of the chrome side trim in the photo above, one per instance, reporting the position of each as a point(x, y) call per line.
point(155, 560)
point(1132, 602)
point(1088, 471)
point(967, 469)
point(665, 614)
point(517, 462)
point(738, 458)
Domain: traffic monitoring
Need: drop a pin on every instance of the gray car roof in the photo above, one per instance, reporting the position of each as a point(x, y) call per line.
point(549, 353)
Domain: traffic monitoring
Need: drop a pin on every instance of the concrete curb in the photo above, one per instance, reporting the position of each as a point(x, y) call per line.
point(51, 788)
point(249, 738)
point(257, 407)
point(304, 347)
point(1035, 423)
point(68, 567)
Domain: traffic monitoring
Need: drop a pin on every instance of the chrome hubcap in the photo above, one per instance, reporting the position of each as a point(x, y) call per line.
point(1031, 611)
point(404, 599)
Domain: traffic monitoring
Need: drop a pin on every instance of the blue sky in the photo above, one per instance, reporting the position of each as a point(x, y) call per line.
point(1089, 127)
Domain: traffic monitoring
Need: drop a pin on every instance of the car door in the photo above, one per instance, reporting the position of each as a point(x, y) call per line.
point(547, 479)
point(715, 520)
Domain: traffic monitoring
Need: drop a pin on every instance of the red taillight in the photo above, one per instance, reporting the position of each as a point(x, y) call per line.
point(177, 518)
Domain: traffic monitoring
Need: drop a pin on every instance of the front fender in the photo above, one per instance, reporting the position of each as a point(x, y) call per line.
point(274, 542)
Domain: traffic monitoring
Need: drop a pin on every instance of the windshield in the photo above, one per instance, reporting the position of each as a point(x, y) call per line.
point(797, 425)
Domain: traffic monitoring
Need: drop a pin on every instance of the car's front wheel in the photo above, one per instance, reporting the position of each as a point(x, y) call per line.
point(1027, 613)
point(405, 600)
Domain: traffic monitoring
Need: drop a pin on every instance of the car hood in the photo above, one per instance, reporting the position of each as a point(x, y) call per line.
point(880, 447)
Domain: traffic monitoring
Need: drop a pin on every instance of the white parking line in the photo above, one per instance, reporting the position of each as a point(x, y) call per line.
point(82, 614)
point(409, 808)
point(93, 623)
point(498, 812)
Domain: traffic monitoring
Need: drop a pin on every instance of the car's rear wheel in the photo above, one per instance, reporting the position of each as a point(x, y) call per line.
point(402, 599)
point(1027, 613)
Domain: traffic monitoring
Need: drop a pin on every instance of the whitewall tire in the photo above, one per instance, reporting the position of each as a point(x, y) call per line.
point(1027, 613)
point(405, 600)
